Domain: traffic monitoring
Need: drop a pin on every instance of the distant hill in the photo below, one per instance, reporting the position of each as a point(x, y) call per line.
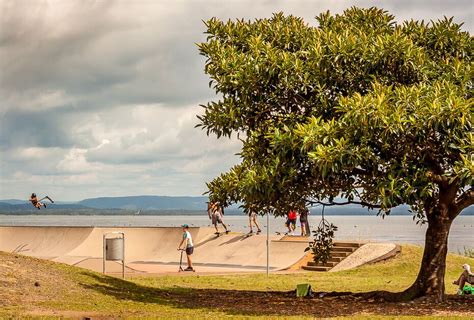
point(154, 205)
point(13, 201)
point(147, 203)
point(356, 210)
point(25, 205)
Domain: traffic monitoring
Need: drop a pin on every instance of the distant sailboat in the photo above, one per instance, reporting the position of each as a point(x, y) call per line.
point(138, 212)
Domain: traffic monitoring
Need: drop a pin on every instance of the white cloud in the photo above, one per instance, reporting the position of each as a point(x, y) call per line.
point(99, 98)
point(75, 162)
point(140, 149)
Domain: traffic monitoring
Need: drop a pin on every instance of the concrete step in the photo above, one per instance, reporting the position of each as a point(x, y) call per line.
point(311, 268)
point(339, 254)
point(343, 249)
point(319, 264)
point(347, 244)
point(336, 259)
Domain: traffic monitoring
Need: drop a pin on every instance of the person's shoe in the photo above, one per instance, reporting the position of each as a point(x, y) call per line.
point(189, 269)
point(258, 231)
point(227, 231)
point(250, 232)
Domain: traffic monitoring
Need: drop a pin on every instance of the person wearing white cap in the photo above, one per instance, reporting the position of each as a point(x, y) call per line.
point(466, 276)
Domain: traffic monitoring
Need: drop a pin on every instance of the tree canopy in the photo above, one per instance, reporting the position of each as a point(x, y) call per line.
point(357, 107)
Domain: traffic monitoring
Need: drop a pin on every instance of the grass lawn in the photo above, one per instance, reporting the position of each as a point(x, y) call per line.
point(65, 291)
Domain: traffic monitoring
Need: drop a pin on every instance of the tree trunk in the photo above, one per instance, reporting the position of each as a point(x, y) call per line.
point(430, 279)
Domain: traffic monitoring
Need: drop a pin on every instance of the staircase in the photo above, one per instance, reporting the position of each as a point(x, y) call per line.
point(339, 252)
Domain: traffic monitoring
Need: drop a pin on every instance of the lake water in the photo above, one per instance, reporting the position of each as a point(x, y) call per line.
point(399, 229)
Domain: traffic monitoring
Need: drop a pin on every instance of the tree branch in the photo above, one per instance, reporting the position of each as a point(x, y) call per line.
point(466, 199)
point(332, 203)
point(433, 163)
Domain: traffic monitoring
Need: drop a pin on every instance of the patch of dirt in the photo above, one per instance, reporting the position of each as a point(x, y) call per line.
point(331, 305)
point(24, 280)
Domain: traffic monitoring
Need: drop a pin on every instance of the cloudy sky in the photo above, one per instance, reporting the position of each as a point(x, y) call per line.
point(100, 98)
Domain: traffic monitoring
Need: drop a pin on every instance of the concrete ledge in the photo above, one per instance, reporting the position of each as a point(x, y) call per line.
point(388, 255)
point(368, 253)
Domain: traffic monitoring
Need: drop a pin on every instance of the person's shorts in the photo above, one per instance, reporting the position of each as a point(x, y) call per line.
point(189, 250)
point(470, 279)
point(252, 215)
point(216, 219)
point(303, 221)
point(291, 221)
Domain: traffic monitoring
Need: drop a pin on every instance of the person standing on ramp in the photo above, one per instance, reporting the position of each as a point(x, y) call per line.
point(215, 213)
point(253, 220)
point(305, 232)
point(187, 241)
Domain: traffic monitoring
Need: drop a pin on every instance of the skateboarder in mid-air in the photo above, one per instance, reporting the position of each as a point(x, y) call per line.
point(37, 203)
point(187, 241)
point(215, 213)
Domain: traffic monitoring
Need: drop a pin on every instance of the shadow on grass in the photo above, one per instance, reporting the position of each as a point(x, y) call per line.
point(246, 302)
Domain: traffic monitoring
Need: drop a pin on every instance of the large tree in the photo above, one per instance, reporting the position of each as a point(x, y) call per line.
point(357, 107)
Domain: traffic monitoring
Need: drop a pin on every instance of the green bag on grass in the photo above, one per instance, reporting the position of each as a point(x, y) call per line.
point(304, 290)
point(468, 289)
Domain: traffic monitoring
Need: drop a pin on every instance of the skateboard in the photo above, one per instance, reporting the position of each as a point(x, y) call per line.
point(219, 233)
point(251, 234)
point(46, 197)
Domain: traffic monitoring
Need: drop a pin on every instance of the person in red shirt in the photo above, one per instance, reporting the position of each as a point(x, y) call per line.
point(291, 221)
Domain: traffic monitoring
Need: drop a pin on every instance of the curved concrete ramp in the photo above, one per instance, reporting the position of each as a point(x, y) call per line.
point(45, 242)
point(151, 250)
point(367, 253)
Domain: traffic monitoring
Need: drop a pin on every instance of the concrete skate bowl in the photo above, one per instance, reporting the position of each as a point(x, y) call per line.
point(151, 250)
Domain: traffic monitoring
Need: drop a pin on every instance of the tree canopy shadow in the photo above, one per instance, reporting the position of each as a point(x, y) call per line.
point(248, 302)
